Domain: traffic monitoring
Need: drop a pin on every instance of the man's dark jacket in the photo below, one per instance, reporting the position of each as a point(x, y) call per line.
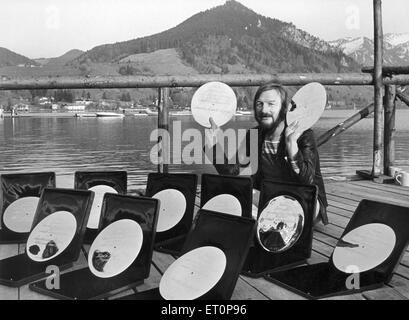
point(281, 171)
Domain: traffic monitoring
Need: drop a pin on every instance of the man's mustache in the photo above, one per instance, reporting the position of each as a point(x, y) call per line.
point(265, 115)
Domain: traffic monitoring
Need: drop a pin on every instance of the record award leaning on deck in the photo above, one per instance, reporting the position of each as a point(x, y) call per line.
point(55, 238)
point(284, 230)
point(364, 259)
point(211, 260)
point(20, 194)
point(177, 195)
point(120, 256)
point(100, 182)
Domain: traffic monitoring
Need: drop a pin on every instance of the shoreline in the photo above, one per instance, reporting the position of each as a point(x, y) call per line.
point(339, 113)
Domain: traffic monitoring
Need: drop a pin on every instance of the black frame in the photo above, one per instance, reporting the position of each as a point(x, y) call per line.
point(115, 208)
point(20, 270)
point(259, 261)
point(17, 186)
point(239, 187)
point(84, 180)
point(231, 234)
point(324, 280)
point(171, 241)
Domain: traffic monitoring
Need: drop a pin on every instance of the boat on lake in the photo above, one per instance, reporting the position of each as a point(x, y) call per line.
point(109, 115)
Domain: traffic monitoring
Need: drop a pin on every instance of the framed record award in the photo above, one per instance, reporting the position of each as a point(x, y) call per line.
point(55, 238)
point(227, 194)
point(176, 194)
point(368, 251)
point(20, 195)
point(284, 229)
point(120, 256)
point(211, 260)
point(100, 183)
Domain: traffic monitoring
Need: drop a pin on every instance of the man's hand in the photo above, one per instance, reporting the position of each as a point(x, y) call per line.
point(291, 139)
point(211, 134)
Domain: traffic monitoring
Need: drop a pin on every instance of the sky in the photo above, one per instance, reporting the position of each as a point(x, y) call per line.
point(49, 28)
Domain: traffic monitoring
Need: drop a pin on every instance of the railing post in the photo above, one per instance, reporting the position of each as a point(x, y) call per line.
point(163, 125)
point(378, 82)
point(390, 129)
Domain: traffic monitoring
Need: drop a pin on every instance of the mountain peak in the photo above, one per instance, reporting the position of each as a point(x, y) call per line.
point(235, 5)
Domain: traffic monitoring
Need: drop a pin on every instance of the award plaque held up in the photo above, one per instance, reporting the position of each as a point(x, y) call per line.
point(227, 194)
point(20, 194)
point(177, 194)
point(100, 183)
point(284, 230)
point(221, 238)
point(369, 249)
point(55, 239)
point(120, 256)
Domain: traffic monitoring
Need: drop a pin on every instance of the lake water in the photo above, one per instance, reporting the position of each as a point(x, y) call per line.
point(65, 145)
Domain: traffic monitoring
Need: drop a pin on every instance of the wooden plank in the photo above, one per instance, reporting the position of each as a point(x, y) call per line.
point(384, 189)
point(330, 230)
point(6, 251)
point(384, 293)
point(338, 221)
point(271, 290)
point(388, 188)
point(340, 211)
point(358, 193)
point(356, 296)
point(162, 261)
point(339, 200)
point(400, 284)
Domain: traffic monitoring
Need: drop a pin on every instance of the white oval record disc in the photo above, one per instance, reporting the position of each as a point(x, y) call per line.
point(224, 203)
point(193, 274)
point(95, 214)
point(51, 236)
point(172, 208)
point(364, 248)
point(216, 100)
point(280, 224)
point(19, 215)
point(115, 248)
point(310, 102)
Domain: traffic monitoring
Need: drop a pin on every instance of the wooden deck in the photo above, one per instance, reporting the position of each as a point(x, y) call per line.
point(343, 198)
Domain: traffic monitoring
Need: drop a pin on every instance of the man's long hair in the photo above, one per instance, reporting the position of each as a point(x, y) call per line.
point(280, 90)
